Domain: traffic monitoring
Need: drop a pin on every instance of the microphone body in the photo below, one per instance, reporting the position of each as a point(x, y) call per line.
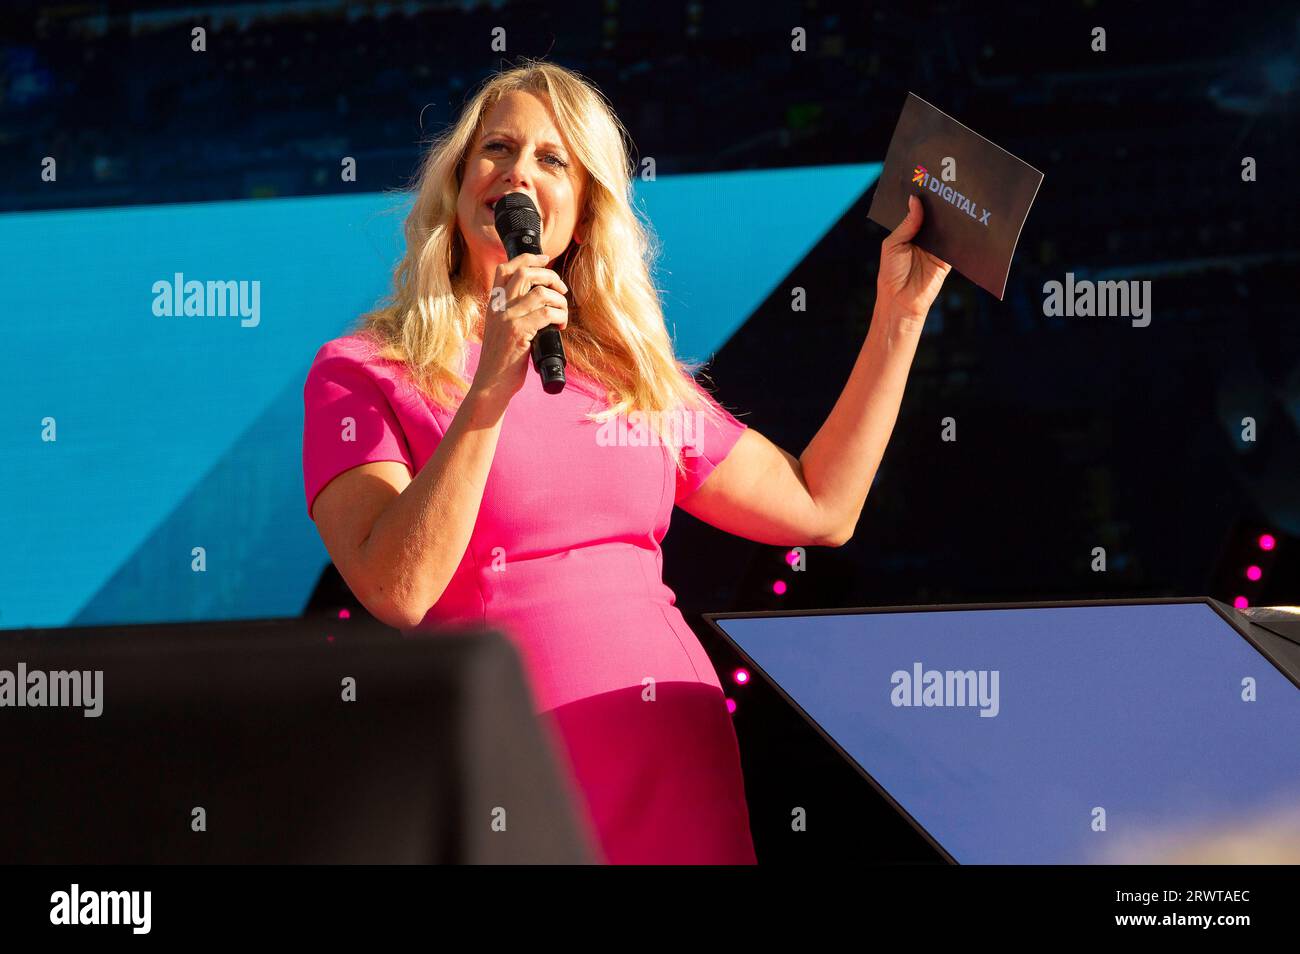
point(520, 227)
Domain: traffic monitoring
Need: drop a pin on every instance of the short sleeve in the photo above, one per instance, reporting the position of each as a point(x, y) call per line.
point(347, 420)
point(708, 443)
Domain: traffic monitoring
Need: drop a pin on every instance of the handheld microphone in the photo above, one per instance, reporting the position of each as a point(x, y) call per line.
point(520, 227)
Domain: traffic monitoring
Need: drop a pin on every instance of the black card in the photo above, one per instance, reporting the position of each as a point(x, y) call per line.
point(976, 195)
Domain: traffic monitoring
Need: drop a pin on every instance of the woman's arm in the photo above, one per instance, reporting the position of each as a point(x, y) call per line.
point(764, 493)
point(396, 541)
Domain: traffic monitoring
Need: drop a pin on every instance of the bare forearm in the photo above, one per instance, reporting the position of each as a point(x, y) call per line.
point(841, 461)
point(420, 538)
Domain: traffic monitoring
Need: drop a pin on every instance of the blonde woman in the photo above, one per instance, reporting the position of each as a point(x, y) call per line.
point(449, 488)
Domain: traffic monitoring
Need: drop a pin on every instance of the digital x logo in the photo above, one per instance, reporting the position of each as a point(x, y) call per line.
point(946, 192)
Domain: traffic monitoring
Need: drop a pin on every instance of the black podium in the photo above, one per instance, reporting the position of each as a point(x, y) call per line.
point(302, 741)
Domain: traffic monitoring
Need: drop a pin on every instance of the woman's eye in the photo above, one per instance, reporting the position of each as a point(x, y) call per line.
point(550, 158)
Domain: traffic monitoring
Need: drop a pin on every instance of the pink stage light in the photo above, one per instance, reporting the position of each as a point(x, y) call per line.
point(790, 557)
point(741, 676)
point(731, 705)
point(1253, 573)
point(1241, 602)
point(1267, 541)
point(779, 587)
point(344, 614)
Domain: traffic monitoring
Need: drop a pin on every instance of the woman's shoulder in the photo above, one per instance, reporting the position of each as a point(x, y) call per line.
point(354, 352)
point(351, 347)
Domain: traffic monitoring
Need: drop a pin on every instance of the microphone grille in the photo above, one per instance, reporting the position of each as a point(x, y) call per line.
point(515, 212)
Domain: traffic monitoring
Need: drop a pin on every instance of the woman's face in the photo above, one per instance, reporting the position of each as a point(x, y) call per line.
point(518, 149)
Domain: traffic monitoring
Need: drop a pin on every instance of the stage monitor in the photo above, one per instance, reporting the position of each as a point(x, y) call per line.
point(1126, 731)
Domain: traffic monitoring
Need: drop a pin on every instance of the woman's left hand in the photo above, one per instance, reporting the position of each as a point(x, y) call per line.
point(910, 277)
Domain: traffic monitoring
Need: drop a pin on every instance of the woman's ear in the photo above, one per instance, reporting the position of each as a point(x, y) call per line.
point(580, 230)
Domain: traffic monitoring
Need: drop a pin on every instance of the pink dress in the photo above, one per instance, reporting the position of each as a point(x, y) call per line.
point(565, 560)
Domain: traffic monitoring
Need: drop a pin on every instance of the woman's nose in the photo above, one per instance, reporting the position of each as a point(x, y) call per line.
point(518, 172)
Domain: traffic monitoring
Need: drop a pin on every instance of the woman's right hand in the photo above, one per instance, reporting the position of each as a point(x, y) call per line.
point(526, 297)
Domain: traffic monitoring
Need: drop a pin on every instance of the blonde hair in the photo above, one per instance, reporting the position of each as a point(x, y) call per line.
point(616, 334)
